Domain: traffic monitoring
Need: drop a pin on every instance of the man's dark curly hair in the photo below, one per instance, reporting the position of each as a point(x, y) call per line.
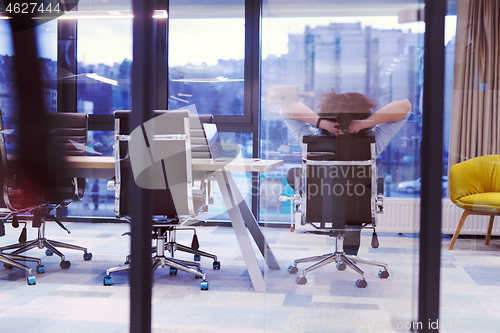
point(344, 108)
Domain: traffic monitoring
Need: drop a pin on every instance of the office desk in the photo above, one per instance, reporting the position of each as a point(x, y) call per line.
point(86, 166)
point(239, 213)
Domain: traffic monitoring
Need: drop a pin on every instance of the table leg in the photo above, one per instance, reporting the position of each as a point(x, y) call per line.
point(240, 231)
point(253, 226)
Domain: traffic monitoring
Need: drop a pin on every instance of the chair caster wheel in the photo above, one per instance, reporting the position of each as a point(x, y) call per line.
point(40, 269)
point(107, 281)
point(383, 274)
point(293, 269)
point(204, 285)
point(48, 253)
point(7, 266)
point(341, 266)
point(31, 280)
point(199, 277)
point(197, 257)
point(173, 271)
point(361, 283)
point(87, 256)
point(216, 264)
point(301, 280)
point(65, 264)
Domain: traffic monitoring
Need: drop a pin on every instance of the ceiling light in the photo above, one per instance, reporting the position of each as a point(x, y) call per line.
point(96, 15)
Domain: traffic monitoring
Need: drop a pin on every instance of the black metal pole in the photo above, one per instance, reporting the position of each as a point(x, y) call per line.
point(143, 99)
point(252, 84)
point(431, 167)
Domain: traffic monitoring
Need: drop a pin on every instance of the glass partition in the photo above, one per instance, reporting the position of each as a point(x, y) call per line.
point(47, 55)
point(309, 50)
point(7, 84)
point(104, 54)
point(374, 56)
point(469, 256)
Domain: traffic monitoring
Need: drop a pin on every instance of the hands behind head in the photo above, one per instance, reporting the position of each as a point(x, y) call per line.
point(355, 127)
point(334, 127)
point(331, 126)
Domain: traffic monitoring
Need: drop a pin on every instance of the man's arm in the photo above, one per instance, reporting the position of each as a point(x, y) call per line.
point(391, 112)
point(299, 111)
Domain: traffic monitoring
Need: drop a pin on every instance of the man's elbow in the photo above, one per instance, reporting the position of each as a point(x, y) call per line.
point(290, 109)
point(405, 105)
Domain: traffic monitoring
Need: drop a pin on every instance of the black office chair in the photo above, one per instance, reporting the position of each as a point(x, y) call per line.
point(11, 260)
point(336, 192)
point(68, 135)
point(180, 202)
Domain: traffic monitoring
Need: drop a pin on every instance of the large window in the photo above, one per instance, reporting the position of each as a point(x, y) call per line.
point(103, 86)
point(47, 57)
point(7, 84)
point(317, 51)
point(206, 66)
point(206, 57)
point(312, 48)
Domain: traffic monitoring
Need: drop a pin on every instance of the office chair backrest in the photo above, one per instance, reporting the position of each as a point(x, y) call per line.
point(67, 137)
point(68, 133)
point(3, 149)
point(338, 180)
point(3, 156)
point(199, 145)
point(176, 199)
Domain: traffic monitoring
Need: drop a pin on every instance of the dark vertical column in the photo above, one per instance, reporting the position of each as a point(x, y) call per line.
point(143, 97)
point(66, 66)
point(37, 165)
point(431, 167)
point(253, 10)
point(162, 59)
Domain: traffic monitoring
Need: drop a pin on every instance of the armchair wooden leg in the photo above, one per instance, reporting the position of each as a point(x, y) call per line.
point(490, 227)
point(459, 227)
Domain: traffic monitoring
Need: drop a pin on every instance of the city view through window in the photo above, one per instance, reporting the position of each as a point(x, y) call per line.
point(382, 61)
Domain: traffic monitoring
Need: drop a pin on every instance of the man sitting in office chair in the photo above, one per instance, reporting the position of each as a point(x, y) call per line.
point(347, 114)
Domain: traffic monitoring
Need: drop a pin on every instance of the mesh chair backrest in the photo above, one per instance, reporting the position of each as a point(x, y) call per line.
point(67, 137)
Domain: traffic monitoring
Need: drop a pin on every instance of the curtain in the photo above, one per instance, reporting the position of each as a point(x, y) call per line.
point(475, 118)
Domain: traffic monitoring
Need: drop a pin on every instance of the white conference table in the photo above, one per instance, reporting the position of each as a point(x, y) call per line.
point(239, 213)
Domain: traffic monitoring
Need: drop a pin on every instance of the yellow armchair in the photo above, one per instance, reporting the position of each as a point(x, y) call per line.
point(475, 186)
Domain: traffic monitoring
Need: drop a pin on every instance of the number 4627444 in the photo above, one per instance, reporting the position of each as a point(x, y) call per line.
point(31, 8)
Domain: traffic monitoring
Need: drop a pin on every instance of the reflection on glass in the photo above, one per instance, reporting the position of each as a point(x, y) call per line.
point(7, 85)
point(206, 58)
point(104, 65)
point(97, 201)
point(103, 77)
point(47, 51)
point(374, 56)
point(337, 47)
point(242, 179)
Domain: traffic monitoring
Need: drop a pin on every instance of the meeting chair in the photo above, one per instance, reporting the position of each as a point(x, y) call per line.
point(475, 187)
point(12, 260)
point(337, 192)
point(179, 194)
point(68, 136)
